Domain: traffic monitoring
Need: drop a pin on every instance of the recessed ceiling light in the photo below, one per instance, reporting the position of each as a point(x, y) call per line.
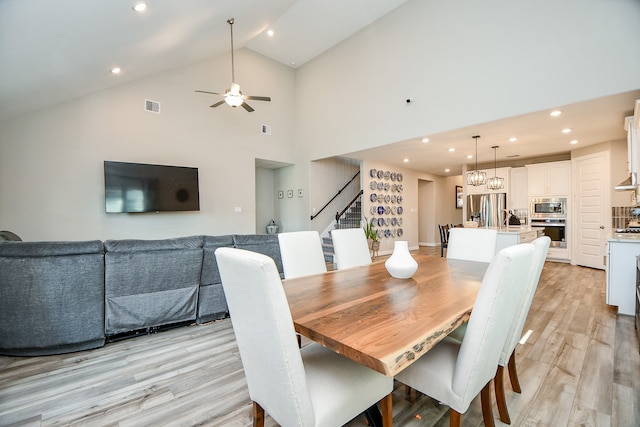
point(447, 170)
point(469, 156)
point(425, 140)
point(451, 150)
point(115, 70)
point(270, 33)
point(406, 160)
point(555, 113)
point(513, 139)
point(140, 6)
point(573, 141)
point(566, 130)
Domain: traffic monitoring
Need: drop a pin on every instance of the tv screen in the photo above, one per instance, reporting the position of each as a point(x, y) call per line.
point(138, 187)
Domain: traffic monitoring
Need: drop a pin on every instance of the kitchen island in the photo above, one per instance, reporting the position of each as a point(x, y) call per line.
point(622, 250)
point(509, 236)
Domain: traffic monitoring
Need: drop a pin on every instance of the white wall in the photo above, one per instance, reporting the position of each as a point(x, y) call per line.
point(463, 62)
point(51, 171)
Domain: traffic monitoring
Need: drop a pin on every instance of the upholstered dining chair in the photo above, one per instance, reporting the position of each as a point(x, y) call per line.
point(507, 357)
point(312, 386)
point(472, 244)
point(301, 253)
point(454, 372)
point(350, 247)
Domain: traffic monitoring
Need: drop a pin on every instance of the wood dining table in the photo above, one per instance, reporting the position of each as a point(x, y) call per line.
point(379, 321)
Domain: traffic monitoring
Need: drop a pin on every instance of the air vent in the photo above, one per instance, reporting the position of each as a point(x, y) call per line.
point(152, 106)
point(265, 129)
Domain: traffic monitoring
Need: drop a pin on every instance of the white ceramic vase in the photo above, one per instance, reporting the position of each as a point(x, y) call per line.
point(401, 264)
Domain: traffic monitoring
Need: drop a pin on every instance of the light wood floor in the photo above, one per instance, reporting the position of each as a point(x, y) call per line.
point(580, 367)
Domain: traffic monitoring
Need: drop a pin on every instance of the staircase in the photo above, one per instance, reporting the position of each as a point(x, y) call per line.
point(350, 219)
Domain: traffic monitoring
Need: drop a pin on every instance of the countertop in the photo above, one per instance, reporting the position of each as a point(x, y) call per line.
point(516, 229)
point(624, 237)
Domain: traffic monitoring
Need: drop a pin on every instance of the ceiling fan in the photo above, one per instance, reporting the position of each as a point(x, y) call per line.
point(233, 96)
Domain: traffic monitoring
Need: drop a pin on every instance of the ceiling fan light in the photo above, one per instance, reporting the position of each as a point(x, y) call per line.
point(233, 99)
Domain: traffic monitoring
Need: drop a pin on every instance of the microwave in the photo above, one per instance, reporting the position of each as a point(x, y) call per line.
point(548, 208)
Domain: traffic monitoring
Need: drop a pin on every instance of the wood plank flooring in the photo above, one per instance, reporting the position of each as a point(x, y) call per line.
point(579, 367)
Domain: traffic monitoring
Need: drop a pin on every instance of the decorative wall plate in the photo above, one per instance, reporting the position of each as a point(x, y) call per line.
point(400, 222)
point(387, 233)
point(380, 210)
point(386, 186)
point(399, 177)
point(373, 185)
point(399, 233)
point(393, 198)
point(380, 222)
point(380, 174)
point(393, 176)
point(373, 197)
point(381, 186)
point(372, 173)
point(387, 198)
point(394, 221)
point(373, 210)
point(400, 210)
point(393, 210)
point(399, 199)
point(387, 175)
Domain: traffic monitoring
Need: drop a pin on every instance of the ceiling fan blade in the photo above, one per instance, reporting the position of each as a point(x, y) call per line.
point(217, 104)
point(247, 107)
point(258, 98)
point(211, 93)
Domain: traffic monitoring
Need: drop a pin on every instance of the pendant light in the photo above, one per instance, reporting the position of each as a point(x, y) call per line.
point(476, 177)
point(495, 183)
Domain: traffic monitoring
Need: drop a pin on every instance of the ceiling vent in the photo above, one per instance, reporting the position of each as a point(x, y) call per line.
point(152, 106)
point(265, 129)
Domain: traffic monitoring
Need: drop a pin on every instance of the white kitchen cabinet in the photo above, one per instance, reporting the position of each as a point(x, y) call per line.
point(549, 179)
point(519, 189)
point(621, 273)
point(482, 189)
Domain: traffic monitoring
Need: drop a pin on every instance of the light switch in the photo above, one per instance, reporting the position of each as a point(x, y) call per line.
point(237, 209)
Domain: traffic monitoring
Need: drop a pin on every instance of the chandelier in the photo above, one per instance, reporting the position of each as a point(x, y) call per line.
point(476, 177)
point(495, 182)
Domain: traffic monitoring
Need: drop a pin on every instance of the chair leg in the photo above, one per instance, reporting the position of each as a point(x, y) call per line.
point(455, 418)
point(258, 415)
point(299, 337)
point(407, 389)
point(387, 410)
point(501, 401)
point(513, 373)
point(485, 399)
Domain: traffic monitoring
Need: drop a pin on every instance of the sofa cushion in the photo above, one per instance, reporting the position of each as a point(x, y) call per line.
point(266, 244)
point(51, 297)
point(151, 283)
point(212, 304)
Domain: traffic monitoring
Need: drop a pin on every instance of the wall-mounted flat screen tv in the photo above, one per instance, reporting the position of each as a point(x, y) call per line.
point(138, 187)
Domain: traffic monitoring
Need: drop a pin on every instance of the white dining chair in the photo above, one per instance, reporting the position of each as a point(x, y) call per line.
point(472, 244)
point(312, 386)
point(455, 372)
point(350, 247)
point(301, 253)
point(507, 357)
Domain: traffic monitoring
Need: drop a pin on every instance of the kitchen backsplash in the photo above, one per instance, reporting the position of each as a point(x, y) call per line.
point(620, 216)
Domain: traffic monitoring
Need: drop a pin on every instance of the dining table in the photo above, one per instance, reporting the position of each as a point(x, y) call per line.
point(379, 321)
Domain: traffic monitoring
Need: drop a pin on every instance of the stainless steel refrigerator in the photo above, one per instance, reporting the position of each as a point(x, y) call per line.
point(487, 209)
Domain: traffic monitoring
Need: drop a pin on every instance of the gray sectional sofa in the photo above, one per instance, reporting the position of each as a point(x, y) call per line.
point(60, 297)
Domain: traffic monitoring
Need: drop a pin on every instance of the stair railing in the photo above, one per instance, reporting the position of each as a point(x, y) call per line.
point(336, 195)
point(354, 200)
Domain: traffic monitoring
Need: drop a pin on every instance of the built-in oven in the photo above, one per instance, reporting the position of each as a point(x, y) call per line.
point(555, 228)
point(548, 208)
